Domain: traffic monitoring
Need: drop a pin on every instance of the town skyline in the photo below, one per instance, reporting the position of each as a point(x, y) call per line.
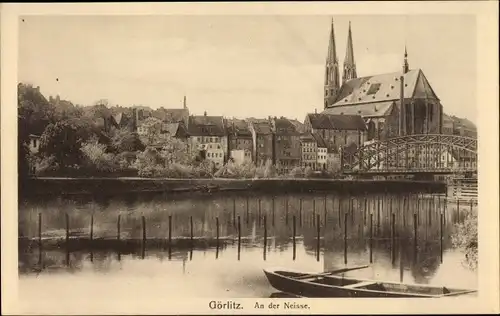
point(273, 70)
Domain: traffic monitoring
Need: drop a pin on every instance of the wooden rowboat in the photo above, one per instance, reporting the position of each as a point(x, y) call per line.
point(331, 285)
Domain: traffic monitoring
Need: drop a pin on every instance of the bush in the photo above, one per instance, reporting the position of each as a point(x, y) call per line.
point(95, 156)
point(297, 172)
point(465, 238)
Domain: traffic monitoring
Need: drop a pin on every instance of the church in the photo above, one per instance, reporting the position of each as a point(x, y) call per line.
point(391, 104)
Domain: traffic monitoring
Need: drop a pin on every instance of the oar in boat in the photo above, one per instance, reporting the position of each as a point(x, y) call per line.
point(331, 272)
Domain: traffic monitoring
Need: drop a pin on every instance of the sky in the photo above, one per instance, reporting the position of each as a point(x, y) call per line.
point(239, 66)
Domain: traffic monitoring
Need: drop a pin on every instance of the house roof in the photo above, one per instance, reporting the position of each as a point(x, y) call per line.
point(283, 126)
point(299, 126)
point(238, 127)
point(336, 121)
point(202, 125)
point(385, 87)
point(319, 140)
point(307, 137)
point(262, 128)
point(171, 115)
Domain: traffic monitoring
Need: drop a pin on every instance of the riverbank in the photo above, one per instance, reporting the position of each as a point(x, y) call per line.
point(97, 186)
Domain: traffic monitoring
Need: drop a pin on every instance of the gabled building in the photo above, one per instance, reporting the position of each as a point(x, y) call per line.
point(337, 130)
point(239, 139)
point(286, 145)
point(204, 129)
point(309, 150)
point(262, 141)
point(322, 152)
point(173, 115)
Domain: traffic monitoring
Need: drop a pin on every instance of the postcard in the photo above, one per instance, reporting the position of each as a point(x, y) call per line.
point(250, 158)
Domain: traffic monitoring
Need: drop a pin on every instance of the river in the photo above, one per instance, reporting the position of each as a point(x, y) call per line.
point(220, 243)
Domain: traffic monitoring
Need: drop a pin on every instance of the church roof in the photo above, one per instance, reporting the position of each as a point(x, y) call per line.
point(328, 120)
point(376, 109)
point(385, 87)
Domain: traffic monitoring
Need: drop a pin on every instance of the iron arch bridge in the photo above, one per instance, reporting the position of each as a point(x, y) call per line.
point(426, 153)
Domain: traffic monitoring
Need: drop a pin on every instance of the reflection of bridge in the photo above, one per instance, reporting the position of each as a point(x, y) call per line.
point(412, 154)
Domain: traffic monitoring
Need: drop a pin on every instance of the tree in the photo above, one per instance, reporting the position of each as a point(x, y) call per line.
point(62, 141)
point(34, 110)
point(125, 141)
point(177, 151)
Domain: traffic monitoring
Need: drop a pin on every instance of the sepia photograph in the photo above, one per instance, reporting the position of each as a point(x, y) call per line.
point(247, 156)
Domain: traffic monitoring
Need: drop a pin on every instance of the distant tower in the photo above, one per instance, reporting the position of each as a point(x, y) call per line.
point(349, 64)
point(331, 72)
point(406, 67)
point(184, 104)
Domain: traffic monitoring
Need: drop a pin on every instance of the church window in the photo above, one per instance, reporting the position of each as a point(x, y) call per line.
point(373, 88)
point(331, 92)
point(326, 92)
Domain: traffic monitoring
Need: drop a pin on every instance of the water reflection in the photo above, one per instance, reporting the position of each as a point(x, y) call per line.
point(235, 237)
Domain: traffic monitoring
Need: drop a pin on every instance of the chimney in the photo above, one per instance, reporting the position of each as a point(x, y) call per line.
point(205, 113)
point(184, 104)
point(315, 111)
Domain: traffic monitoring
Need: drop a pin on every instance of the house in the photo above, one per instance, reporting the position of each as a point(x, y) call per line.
point(262, 141)
point(214, 153)
point(287, 152)
point(309, 151)
point(204, 129)
point(173, 115)
point(337, 130)
point(322, 152)
point(239, 138)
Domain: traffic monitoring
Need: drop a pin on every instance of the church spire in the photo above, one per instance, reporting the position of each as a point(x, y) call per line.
point(406, 67)
point(349, 63)
point(331, 71)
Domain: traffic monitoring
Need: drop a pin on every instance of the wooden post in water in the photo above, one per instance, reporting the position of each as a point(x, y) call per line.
point(371, 237)
point(234, 212)
point(458, 209)
point(430, 212)
point(345, 238)
point(217, 238)
point(259, 213)
point(40, 240)
point(365, 209)
point(248, 211)
point(294, 233)
point(324, 203)
point(118, 235)
point(378, 214)
point(393, 236)
point(274, 205)
point(415, 242)
point(67, 238)
point(143, 236)
point(286, 211)
point(91, 237)
point(300, 213)
point(265, 235)
point(318, 237)
point(314, 212)
point(441, 217)
point(340, 211)
point(169, 236)
point(191, 229)
point(239, 237)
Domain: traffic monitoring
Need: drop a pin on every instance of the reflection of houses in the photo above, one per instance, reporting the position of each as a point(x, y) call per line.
point(34, 143)
point(286, 145)
point(262, 138)
point(207, 129)
point(239, 140)
point(377, 98)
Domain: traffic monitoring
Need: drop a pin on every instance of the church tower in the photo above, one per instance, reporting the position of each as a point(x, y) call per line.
point(406, 67)
point(349, 64)
point(332, 84)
